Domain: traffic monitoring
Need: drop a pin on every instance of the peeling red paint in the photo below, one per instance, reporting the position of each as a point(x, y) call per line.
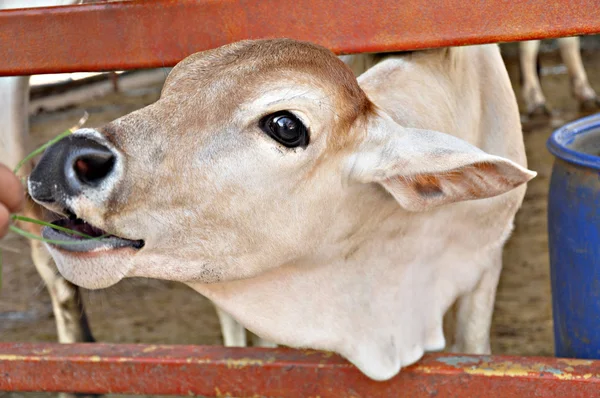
point(215, 371)
point(144, 34)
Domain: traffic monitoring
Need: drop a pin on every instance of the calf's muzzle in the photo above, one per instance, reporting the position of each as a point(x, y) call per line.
point(69, 167)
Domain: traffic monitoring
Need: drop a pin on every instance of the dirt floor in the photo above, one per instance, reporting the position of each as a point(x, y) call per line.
point(150, 311)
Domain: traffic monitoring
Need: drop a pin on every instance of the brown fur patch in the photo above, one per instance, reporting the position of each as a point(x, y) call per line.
point(487, 168)
point(491, 171)
point(236, 69)
point(428, 185)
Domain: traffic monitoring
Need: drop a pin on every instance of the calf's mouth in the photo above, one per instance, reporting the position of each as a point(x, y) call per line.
point(89, 239)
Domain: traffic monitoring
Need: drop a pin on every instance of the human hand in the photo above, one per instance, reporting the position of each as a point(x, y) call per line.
point(12, 197)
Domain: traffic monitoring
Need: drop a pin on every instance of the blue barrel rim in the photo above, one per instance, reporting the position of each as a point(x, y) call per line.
point(560, 138)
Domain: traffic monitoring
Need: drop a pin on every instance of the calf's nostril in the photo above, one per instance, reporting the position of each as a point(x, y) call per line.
point(92, 165)
point(70, 166)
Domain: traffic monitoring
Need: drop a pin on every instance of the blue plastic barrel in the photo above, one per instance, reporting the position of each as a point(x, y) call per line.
point(574, 238)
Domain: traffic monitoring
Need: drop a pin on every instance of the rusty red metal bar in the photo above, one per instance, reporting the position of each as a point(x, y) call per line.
point(241, 372)
point(144, 34)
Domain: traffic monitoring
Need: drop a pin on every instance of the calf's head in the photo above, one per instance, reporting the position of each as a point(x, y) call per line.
point(258, 155)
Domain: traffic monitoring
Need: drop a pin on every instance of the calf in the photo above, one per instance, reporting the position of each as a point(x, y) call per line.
point(318, 210)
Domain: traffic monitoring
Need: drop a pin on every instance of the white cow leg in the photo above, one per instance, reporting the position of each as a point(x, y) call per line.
point(69, 314)
point(14, 102)
point(260, 342)
point(580, 86)
point(531, 88)
point(474, 312)
point(234, 334)
point(71, 322)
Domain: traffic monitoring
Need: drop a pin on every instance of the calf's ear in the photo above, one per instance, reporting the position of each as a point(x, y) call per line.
point(424, 169)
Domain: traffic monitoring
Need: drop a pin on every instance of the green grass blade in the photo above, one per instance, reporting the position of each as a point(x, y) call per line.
point(47, 224)
point(55, 242)
point(40, 150)
point(31, 220)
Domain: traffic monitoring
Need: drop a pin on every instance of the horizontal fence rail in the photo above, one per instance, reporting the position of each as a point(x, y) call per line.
point(258, 372)
point(144, 34)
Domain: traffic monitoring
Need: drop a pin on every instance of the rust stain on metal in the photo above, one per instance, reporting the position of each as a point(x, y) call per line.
point(65, 39)
point(150, 348)
point(43, 352)
point(243, 362)
point(198, 360)
point(574, 362)
point(19, 358)
point(570, 376)
point(218, 393)
point(485, 366)
point(424, 369)
point(323, 354)
point(510, 369)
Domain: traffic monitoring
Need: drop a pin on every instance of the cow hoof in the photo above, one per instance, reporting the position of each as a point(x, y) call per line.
point(541, 111)
point(590, 105)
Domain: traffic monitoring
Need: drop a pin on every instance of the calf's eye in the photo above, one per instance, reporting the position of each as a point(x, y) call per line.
point(285, 128)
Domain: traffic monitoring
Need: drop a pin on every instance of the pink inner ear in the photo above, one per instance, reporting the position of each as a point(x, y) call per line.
point(430, 185)
point(477, 180)
point(426, 185)
point(473, 181)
